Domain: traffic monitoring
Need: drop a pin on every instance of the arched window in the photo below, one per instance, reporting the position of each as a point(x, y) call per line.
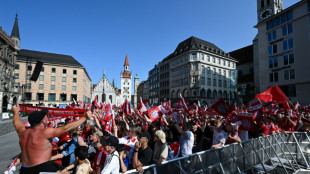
point(110, 98)
point(220, 94)
point(214, 94)
point(103, 98)
point(178, 94)
point(202, 93)
point(209, 94)
point(173, 94)
point(225, 95)
point(185, 93)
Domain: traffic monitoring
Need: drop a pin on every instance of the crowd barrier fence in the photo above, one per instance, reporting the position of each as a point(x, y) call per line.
point(277, 153)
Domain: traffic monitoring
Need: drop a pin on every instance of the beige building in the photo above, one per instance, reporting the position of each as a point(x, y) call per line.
point(281, 49)
point(9, 47)
point(62, 79)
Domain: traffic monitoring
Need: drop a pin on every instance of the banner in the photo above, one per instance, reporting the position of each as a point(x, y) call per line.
point(233, 78)
point(54, 111)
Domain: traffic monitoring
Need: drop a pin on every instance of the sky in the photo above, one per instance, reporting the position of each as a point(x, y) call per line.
point(99, 33)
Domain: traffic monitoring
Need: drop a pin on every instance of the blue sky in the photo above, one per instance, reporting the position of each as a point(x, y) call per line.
point(99, 33)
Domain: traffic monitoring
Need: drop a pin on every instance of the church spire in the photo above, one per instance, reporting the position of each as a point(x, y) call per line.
point(126, 64)
point(103, 72)
point(15, 31)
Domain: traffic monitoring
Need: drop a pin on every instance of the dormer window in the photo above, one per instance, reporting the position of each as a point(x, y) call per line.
point(193, 46)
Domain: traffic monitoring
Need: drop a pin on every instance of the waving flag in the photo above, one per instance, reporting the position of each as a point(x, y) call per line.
point(142, 107)
point(273, 94)
point(247, 121)
point(182, 103)
point(296, 106)
point(95, 102)
point(221, 107)
point(126, 108)
point(146, 103)
point(155, 113)
point(292, 114)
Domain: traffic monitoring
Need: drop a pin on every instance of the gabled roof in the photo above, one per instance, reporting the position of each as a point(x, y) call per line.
point(194, 43)
point(15, 31)
point(126, 63)
point(50, 58)
point(243, 55)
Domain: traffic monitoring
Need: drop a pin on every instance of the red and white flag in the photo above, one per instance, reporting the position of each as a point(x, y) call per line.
point(182, 103)
point(247, 121)
point(126, 108)
point(296, 106)
point(146, 103)
point(142, 107)
point(155, 113)
point(95, 102)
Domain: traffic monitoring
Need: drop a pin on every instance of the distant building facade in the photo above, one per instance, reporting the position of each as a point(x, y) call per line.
point(106, 92)
point(153, 80)
point(281, 49)
point(61, 81)
point(9, 47)
point(245, 69)
point(199, 71)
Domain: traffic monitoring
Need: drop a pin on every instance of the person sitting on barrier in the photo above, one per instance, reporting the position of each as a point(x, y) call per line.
point(142, 155)
point(160, 147)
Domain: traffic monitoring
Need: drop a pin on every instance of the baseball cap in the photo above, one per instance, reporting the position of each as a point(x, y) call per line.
point(161, 135)
point(110, 141)
point(37, 116)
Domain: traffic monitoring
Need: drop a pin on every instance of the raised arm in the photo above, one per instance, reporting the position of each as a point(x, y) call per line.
point(18, 124)
point(55, 132)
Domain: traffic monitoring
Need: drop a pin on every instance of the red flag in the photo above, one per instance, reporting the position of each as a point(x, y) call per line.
point(221, 107)
point(142, 107)
point(146, 103)
point(126, 108)
point(286, 106)
point(273, 94)
point(182, 103)
point(95, 102)
point(247, 121)
point(296, 106)
point(155, 113)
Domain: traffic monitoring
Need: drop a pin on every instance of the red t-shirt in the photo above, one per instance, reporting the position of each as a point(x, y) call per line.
point(286, 125)
point(264, 129)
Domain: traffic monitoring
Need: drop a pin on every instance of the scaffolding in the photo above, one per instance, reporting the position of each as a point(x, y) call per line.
point(277, 153)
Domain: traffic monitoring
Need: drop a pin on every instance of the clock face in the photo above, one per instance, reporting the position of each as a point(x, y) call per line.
point(265, 14)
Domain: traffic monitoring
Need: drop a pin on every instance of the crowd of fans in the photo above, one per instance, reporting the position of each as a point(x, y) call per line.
point(132, 143)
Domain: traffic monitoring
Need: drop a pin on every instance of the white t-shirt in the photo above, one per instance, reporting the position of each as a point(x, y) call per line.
point(186, 144)
point(111, 164)
point(218, 136)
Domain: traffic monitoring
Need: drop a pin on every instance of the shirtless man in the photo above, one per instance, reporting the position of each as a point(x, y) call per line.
point(35, 142)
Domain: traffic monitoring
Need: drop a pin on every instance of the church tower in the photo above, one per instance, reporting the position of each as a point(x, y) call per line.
point(126, 82)
point(267, 8)
point(15, 34)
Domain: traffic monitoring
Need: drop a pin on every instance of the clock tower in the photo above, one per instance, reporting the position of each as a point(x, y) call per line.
point(267, 8)
point(126, 82)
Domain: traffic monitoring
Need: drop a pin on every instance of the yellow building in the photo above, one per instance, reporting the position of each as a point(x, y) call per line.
point(62, 79)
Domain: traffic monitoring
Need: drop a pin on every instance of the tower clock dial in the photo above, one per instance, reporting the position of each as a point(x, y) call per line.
point(265, 13)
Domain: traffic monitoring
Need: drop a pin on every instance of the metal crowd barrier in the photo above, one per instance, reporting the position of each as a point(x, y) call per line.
point(277, 153)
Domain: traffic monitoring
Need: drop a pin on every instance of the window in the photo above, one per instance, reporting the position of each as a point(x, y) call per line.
point(53, 78)
point(273, 77)
point(214, 70)
point(28, 76)
point(63, 88)
point(40, 96)
point(73, 88)
point(220, 83)
point(209, 70)
point(42, 69)
point(287, 29)
point(41, 78)
point(224, 62)
point(53, 70)
point(73, 96)
point(219, 72)
point(203, 69)
point(224, 73)
point(289, 74)
point(51, 97)
point(63, 97)
point(29, 68)
point(64, 71)
point(41, 86)
point(28, 96)
point(74, 80)
point(194, 67)
point(219, 61)
point(28, 86)
point(213, 59)
point(202, 57)
point(272, 49)
point(203, 80)
point(228, 64)
point(194, 79)
point(224, 84)
point(273, 63)
point(16, 75)
point(208, 57)
point(209, 81)
point(272, 35)
point(17, 66)
point(288, 59)
point(64, 79)
point(288, 44)
point(52, 87)
point(194, 56)
point(74, 72)
point(214, 82)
